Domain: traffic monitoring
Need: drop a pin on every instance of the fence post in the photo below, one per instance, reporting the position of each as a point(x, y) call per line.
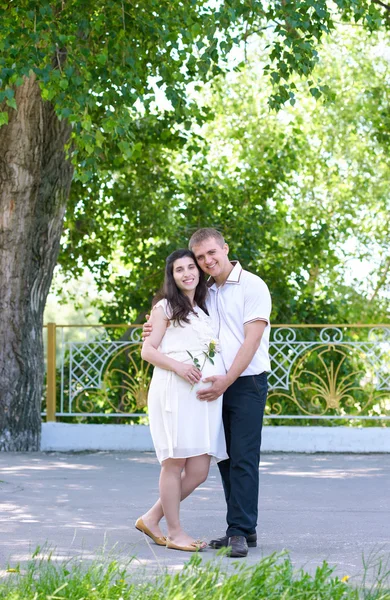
point(51, 373)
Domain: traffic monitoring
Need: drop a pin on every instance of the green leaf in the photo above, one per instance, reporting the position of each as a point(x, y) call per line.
point(125, 149)
point(11, 102)
point(195, 30)
point(86, 122)
point(47, 94)
point(102, 58)
point(99, 138)
point(137, 150)
point(3, 118)
point(315, 92)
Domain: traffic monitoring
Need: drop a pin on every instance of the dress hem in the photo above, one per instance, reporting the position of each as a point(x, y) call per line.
point(218, 459)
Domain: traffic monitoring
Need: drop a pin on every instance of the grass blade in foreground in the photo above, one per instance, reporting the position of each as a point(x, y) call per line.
point(272, 578)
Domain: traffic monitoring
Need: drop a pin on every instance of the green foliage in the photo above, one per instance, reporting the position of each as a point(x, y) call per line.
point(94, 60)
point(272, 578)
point(298, 194)
point(147, 175)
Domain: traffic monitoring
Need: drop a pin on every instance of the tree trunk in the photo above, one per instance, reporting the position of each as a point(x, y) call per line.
point(35, 181)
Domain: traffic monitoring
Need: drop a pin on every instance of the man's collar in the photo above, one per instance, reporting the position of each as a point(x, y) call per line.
point(233, 277)
point(235, 273)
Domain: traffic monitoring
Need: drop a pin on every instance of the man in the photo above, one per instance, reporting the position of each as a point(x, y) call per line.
point(240, 304)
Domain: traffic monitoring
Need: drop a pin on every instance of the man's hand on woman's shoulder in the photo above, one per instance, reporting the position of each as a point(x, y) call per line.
point(147, 328)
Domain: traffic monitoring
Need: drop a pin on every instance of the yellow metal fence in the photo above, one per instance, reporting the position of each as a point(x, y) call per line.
point(333, 372)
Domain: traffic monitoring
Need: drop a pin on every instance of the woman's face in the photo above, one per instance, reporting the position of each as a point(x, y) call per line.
point(185, 273)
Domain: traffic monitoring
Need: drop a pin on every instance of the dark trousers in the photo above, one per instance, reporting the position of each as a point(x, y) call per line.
point(243, 409)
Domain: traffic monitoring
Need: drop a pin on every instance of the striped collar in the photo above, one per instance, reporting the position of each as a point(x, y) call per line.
point(233, 277)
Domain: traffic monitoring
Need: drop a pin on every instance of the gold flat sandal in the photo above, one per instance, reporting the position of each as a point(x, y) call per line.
point(140, 525)
point(194, 547)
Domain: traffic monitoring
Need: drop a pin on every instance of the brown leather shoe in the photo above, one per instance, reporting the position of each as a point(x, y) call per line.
point(238, 546)
point(222, 542)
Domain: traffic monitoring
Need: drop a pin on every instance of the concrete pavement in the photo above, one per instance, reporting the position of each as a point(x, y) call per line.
point(318, 506)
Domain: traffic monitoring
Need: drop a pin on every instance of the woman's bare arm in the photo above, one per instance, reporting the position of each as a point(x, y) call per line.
point(151, 353)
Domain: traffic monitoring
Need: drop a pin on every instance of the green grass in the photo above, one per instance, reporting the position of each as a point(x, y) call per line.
point(272, 578)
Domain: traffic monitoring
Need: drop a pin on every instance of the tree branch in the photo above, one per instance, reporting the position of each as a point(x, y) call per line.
point(382, 280)
point(386, 6)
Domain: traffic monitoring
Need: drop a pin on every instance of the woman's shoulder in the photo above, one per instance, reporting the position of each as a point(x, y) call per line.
point(164, 304)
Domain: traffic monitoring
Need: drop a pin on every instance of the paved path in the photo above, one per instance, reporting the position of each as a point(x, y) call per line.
point(333, 507)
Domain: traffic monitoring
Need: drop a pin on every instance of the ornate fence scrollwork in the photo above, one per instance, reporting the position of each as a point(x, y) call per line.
point(124, 384)
point(329, 373)
point(107, 376)
point(317, 372)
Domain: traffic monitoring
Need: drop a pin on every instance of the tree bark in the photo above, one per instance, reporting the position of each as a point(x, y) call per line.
point(35, 179)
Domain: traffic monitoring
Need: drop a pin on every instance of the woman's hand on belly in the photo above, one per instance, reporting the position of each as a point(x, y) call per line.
point(188, 372)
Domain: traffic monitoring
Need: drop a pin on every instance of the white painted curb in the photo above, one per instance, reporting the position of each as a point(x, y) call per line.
point(65, 437)
point(326, 439)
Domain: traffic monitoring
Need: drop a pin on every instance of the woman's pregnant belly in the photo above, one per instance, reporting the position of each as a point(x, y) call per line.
point(160, 376)
point(211, 369)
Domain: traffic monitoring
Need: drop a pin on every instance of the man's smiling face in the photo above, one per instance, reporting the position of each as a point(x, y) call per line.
point(213, 258)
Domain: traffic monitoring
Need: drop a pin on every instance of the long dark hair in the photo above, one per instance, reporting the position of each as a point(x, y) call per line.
point(179, 304)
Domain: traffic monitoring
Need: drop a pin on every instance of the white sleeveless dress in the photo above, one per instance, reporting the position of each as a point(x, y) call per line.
point(180, 424)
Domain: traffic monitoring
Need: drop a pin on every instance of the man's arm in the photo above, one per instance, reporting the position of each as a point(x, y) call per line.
point(253, 333)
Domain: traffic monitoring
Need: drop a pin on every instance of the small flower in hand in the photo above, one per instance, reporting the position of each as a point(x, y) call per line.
point(211, 350)
point(208, 355)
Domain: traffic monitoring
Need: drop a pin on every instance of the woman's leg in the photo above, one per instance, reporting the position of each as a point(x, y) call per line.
point(170, 492)
point(195, 472)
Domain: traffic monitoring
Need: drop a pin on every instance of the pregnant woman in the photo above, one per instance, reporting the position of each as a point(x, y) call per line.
point(186, 431)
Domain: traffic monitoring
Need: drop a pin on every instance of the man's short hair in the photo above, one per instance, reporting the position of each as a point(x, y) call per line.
point(205, 234)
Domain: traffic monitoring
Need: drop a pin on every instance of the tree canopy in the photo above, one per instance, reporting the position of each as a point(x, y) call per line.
point(298, 193)
point(97, 62)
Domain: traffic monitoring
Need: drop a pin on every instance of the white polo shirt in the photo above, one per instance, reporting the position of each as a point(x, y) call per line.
point(243, 298)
